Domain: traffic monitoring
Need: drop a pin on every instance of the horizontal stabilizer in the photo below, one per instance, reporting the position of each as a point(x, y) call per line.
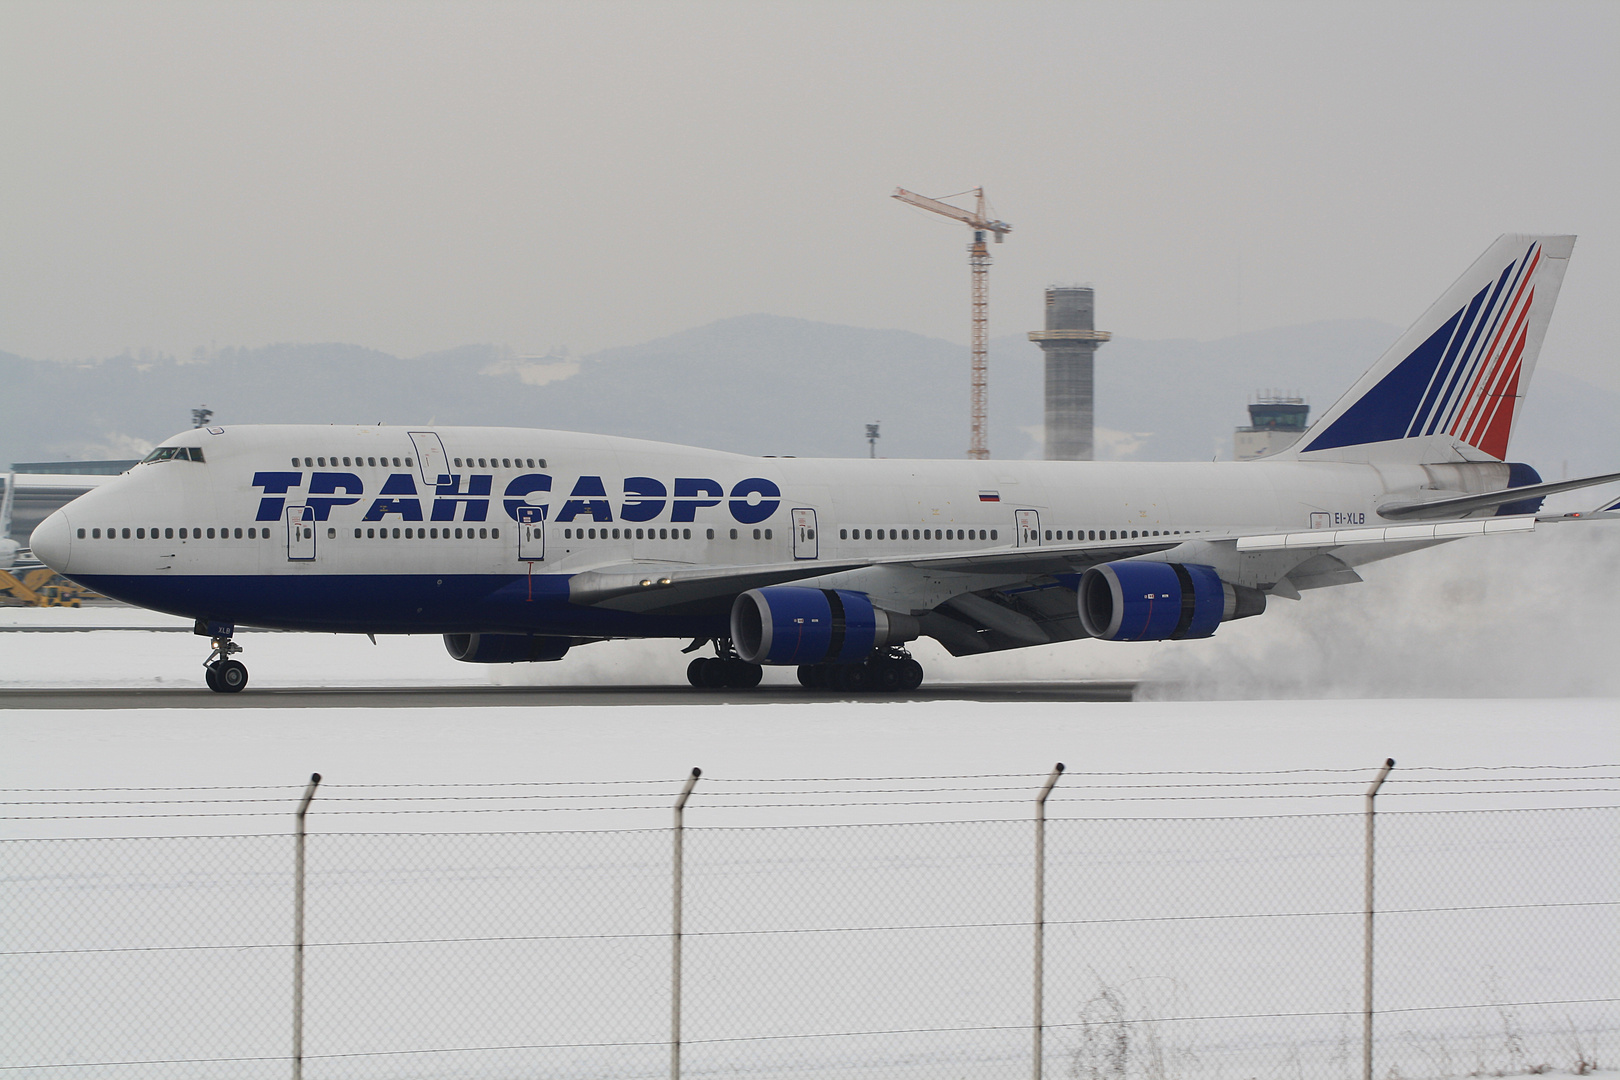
point(1443, 508)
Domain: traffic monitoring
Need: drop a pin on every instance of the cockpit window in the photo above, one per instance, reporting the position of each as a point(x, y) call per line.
point(174, 453)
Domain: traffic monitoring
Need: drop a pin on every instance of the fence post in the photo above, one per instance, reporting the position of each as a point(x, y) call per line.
point(675, 930)
point(1367, 930)
point(298, 930)
point(1040, 916)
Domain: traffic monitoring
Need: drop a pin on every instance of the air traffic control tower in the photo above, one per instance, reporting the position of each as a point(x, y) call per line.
point(1070, 342)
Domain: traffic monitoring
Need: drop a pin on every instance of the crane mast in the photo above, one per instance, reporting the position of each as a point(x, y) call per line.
point(981, 223)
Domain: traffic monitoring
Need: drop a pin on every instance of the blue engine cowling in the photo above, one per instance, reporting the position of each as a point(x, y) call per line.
point(794, 624)
point(505, 648)
point(1155, 601)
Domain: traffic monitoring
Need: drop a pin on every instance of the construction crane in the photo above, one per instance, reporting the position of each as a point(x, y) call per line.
point(980, 221)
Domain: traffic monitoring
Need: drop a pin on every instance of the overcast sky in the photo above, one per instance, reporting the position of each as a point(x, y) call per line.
point(418, 176)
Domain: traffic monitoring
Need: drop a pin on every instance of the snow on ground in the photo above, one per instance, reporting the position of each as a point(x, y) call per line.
point(1485, 657)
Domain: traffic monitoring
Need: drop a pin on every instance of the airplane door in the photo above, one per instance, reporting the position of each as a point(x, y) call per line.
point(1029, 528)
point(805, 544)
point(531, 533)
point(300, 533)
point(430, 459)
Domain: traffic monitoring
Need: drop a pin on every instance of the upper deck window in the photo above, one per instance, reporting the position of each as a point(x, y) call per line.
point(174, 453)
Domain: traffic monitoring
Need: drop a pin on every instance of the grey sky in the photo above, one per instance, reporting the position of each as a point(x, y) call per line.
point(416, 176)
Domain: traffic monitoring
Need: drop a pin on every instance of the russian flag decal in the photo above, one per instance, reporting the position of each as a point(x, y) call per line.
point(989, 496)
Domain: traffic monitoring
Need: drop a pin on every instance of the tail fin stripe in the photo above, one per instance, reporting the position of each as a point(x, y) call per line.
point(1491, 394)
point(1513, 314)
point(1456, 374)
point(1493, 428)
point(1488, 327)
point(1439, 383)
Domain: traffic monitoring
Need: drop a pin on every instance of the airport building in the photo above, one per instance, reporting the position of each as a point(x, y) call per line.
point(1276, 421)
point(1070, 342)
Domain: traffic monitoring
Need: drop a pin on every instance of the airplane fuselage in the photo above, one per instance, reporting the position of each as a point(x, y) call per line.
point(480, 530)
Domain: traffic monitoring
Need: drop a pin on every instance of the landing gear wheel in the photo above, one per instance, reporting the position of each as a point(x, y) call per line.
point(850, 678)
point(230, 677)
point(694, 671)
point(742, 675)
point(212, 678)
point(716, 673)
point(889, 676)
point(911, 674)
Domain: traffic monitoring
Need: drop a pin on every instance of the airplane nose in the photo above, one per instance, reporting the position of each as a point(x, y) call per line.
point(52, 540)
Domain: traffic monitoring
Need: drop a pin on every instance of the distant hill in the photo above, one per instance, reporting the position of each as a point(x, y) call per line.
point(754, 384)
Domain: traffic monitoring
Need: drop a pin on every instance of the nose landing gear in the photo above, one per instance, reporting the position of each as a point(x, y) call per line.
point(223, 675)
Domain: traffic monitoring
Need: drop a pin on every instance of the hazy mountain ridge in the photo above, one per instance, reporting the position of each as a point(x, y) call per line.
point(758, 384)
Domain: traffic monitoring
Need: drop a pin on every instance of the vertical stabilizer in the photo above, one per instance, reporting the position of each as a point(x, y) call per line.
point(1450, 388)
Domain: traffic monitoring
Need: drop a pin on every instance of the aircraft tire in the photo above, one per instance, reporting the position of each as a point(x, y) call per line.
point(231, 677)
point(742, 675)
point(212, 678)
point(911, 675)
point(888, 676)
point(715, 673)
point(851, 678)
point(694, 671)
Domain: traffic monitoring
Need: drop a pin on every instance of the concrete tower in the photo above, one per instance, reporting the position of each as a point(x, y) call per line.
point(1070, 342)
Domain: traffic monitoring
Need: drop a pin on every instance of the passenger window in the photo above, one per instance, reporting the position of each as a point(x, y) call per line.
point(767, 534)
point(408, 464)
point(686, 534)
point(321, 462)
point(396, 534)
point(481, 463)
point(710, 535)
point(506, 463)
point(357, 534)
point(372, 462)
point(494, 534)
point(756, 534)
point(168, 534)
point(95, 534)
point(993, 534)
point(309, 463)
point(140, 534)
point(458, 463)
point(81, 534)
point(331, 534)
point(734, 534)
point(295, 463)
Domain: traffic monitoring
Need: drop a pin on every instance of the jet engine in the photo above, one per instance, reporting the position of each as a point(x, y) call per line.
point(793, 624)
point(505, 648)
point(1155, 601)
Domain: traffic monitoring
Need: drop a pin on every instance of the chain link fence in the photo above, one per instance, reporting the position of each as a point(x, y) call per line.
point(1177, 943)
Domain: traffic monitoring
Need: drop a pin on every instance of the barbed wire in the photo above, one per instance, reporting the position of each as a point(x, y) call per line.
point(711, 780)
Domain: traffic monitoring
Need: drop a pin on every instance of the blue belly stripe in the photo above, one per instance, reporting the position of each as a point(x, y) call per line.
point(394, 604)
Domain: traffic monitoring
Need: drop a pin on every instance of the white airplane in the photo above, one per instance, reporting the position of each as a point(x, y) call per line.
point(10, 550)
point(518, 545)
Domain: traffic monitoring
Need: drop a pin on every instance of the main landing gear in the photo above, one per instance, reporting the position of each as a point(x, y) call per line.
point(723, 670)
point(224, 675)
point(891, 672)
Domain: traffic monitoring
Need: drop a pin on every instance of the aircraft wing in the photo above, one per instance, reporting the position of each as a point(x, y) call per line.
point(677, 589)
